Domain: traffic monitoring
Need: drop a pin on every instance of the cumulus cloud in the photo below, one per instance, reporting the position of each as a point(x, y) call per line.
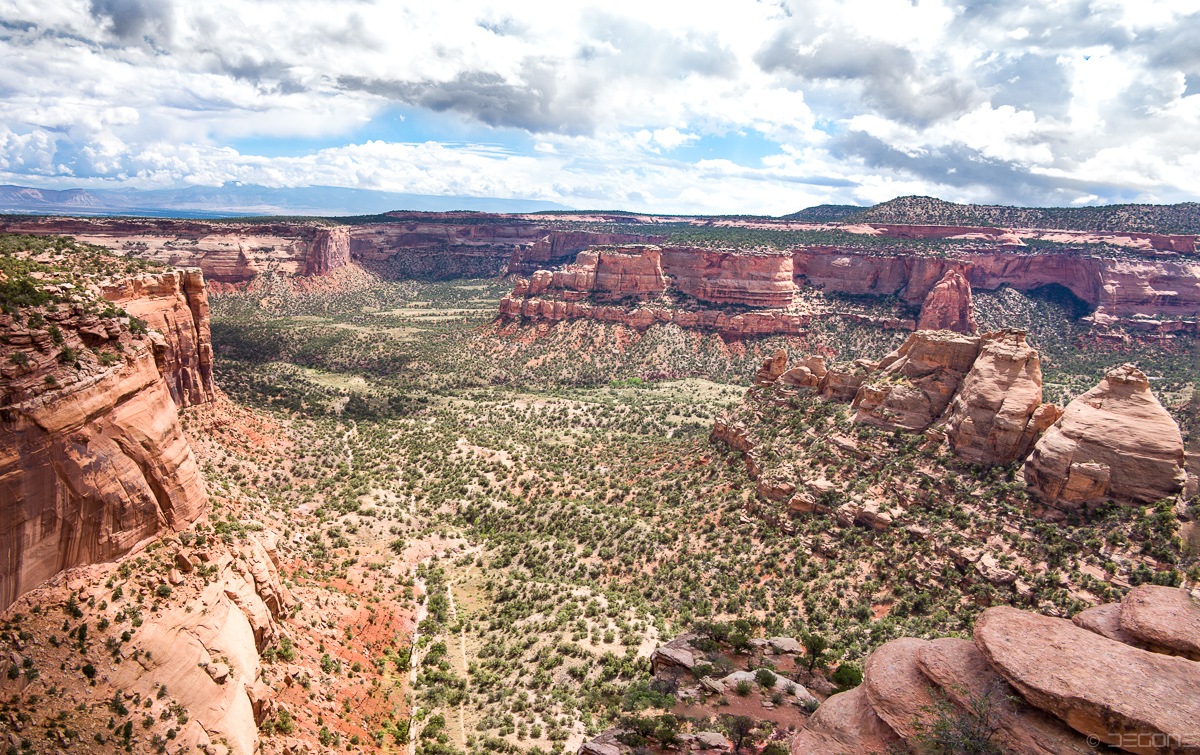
point(667, 106)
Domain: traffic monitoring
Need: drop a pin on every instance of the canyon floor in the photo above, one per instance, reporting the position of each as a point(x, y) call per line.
point(486, 528)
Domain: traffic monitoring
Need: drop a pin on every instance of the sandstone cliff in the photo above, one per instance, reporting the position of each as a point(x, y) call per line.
point(92, 456)
point(1115, 441)
point(914, 384)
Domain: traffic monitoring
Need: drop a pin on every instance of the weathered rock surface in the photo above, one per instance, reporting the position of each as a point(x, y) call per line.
point(180, 648)
point(176, 305)
point(1105, 620)
point(1101, 688)
point(1164, 619)
point(992, 418)
point(88, 472)
point(915, 383)
point(895, 687)
point(772, 369)
point(94, 463)
point(948, 306)
point(964, 677)
point(845, 723)
point(329, 250)
point(1115, 441)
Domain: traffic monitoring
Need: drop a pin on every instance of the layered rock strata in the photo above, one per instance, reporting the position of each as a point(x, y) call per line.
point(914, 384)
point(948, 306)
point(92, 457)
point(1115, 441)
point(998, 413)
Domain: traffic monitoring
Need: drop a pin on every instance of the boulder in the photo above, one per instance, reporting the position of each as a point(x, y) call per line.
point(989, 421)
point(964, 677)
point(845, 723)
point(1104, 689)
point(667, 656)
point(948, 306)
point(1164, 619)
point(809, 373)
point(1115, 441)
point(714, 740)
point(1105, 620)
point(895, 687)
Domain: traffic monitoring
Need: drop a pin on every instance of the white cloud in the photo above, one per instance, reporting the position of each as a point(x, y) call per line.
point(862, 100)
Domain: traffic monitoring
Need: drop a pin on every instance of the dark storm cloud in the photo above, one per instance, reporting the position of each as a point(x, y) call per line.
point(535, 103)
point(892, 81)
point(1028, 82)
point(131, 20)
point(960, 166)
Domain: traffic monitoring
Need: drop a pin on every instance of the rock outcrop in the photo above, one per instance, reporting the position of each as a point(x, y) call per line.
point(1104, 689)
point(1047, 686)
point(914, 384)
point(174, 304)
point(89, 471)
point(1163, 619)
point(994, 418)
point(1115, 441)
point(180, 650)
point(92, 457)
point(329, 250)
point(948, 306)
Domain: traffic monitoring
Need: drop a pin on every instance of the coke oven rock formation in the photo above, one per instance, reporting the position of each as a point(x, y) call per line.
point(998, 413)
point(1115, 441)
point(94, 461)
point(1050, 687)
point(948, 306)
point(984, 392)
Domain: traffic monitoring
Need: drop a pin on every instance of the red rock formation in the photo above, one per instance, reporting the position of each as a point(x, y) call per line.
point(948, 306)
point(991, 420)
point(772, 369)
point(734, 326)
point(754, 280)
point(915, 383)
point(92, 457)
point(330, 249)
point(176, 305)
point(88, 471)
point(1115, 441)
point(558, 247)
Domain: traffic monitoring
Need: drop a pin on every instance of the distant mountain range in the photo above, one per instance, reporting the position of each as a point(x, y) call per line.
point(234, 201)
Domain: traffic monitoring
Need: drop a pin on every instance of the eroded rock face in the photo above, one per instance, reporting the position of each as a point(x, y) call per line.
point(845, 723)
point(1115, 441)
point(180, 650)
point(755, 280)
point(176, 305)
point(991, 420)
point(1105, 620)
point(948, 306)
point(896, 689)
point(963, 675)
point(772, 369)
point(915, 383)
point(1101, 688)
point(95, 461)
point(1164, 619)
point(330, 249)
point(89, 471)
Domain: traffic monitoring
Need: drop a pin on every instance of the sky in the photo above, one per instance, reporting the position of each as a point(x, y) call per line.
point(648, 105)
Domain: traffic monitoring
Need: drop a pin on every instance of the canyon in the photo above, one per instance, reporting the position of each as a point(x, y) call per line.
point(385, 515)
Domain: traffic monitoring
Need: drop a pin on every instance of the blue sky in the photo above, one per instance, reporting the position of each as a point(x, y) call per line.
point(739, 106)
